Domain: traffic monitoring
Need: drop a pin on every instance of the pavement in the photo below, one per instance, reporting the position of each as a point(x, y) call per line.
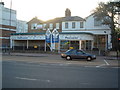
point(45, 54)
point(101, 61)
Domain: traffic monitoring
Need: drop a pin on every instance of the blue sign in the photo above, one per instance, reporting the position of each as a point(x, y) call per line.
point(48, 38)
point(55, 38)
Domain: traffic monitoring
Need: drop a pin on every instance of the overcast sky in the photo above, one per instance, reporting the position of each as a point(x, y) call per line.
point(49, 9)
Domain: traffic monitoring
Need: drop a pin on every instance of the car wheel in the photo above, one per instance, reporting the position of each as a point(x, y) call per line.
point(68, 58)
point(89, 58)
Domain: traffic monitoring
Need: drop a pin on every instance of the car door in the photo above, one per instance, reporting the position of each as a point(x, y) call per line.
point(73, 54)
point(80, 54)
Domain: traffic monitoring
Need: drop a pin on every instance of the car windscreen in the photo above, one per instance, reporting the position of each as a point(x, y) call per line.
point(71, 51)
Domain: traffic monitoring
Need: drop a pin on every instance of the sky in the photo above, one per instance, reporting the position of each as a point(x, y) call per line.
point(49, 9)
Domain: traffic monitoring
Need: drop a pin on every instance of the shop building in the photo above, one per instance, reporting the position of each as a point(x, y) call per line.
point(7, 25)
point(74, 31)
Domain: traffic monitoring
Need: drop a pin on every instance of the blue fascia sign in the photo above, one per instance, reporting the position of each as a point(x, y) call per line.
point(48, 38)
point(55, 38)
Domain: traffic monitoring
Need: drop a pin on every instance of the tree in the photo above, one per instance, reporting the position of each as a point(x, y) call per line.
point(106, 12)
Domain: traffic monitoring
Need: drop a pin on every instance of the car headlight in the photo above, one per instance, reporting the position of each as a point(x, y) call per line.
point(94, 56)
point(63, 55)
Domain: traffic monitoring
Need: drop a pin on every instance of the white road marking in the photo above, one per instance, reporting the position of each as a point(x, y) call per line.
point(26, 78)
point(106, 62)
point(100, 65)
point(33, 79)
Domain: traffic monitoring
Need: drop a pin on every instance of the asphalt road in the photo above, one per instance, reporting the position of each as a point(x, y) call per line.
point(21, 74)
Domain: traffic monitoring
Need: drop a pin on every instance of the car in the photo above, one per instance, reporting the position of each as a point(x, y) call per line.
point(77, 54)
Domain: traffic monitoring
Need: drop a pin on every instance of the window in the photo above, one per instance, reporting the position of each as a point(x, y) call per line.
point(51, 26)
point(73, 24)
point(81, 24)
point(57, 25)
point(97, 22)
point(44, 27)
point(34, 26)
point(66, 25)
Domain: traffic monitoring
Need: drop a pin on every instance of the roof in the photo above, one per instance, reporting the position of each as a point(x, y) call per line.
point(76, 33)
point(35, 19)
point(61, 19)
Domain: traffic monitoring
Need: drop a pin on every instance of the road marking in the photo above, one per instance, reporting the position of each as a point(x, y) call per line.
point(100, 65)
point(106, 62)
point(26, 78)
point(33, 79)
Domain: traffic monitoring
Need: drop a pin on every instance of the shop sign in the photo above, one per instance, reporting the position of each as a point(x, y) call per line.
point(22, 38)
point(72, 38)
point(48, 36)
point(55, 38)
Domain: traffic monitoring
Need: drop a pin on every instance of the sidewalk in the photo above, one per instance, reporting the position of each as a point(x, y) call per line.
point(112, 58)
point(49, 54)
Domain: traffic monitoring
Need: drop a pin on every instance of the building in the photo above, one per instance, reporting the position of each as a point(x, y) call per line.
point(7, 24)
point(74, 31)
point(22, 26)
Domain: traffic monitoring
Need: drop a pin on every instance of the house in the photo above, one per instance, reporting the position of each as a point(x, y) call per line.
point(7, 25)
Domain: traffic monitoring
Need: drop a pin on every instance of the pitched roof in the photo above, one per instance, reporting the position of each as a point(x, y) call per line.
point(35, 19)
point(61, 19)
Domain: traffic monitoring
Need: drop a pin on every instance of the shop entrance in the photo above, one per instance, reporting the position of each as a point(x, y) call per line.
point(84, 45)
point(66, 44)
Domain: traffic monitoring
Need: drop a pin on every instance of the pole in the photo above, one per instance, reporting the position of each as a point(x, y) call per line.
point(10, 23)
point(45, 45)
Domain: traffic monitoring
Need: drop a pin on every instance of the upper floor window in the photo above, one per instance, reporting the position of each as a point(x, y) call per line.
point(34, 26)
point(57, 25)
point(66, 25)
point(81, 24)
point(73, 24)
point(97, 22)
point(51, 26)
point(44, 26)
point(40, 26)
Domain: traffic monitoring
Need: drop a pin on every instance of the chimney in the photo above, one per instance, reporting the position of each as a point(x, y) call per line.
point(67, 13)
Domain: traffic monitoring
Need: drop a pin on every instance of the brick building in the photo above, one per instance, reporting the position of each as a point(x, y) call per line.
point(74, 31)
point(7, 25)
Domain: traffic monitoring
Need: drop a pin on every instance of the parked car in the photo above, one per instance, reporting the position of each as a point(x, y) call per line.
point(77, 54)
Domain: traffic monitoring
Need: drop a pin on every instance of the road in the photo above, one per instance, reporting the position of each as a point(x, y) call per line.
point(24, 74)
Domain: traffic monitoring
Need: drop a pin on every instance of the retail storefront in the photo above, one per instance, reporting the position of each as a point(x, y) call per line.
point(81, 40)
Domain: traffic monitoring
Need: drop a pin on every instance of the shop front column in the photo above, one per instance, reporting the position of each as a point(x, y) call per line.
point(106, 42)
point(45, 46)
point(92, 45)
point(27, 44)
point(13, 44)
point(80, 44)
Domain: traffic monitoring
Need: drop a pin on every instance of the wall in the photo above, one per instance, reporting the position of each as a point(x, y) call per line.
point(22, 26)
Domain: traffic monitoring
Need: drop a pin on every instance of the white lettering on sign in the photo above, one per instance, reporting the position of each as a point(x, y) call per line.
point(21, 37)
point(71, 37)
